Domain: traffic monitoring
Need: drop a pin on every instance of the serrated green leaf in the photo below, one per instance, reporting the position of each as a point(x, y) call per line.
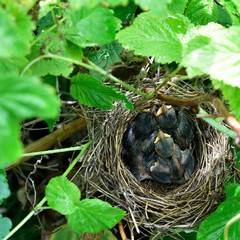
point(232, 10)
point(114, 3)
point(46, 6)
point(231, 94)
point(62, 195)
point(5, 226)
point(232, 189)
point(223, 16)
point(76, 4)
point(105, 57)
point(150, 36)
point(158, 8)
point(5, 191)
point(53, 66)
point(125, 13)
point(213, 226)
point(27, 97)
point(44, 23)
point(72, 51)
point(201, 12)
point(10, 145)
point(7, 67)
point(94, 215)
point(16, 33)
point(220, 58)
point(177, 6)
point(88, 27)
point(91, 92)
point(237, 4)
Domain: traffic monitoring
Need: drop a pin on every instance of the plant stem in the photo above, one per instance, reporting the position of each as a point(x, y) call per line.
point(47, 31)
point(32, 62)
point(229, 224)
point(217, 125)
point(49, 140)
point(52, 151)
point(90, 66)
point(110, 76)
point(40, 204)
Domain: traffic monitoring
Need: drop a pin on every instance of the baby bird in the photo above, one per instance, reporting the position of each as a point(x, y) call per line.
point(166, 117)
point(146, 123)
point(161, 171)
point(127, 142)
point(177, 167)
point(145, 147)
point(188, 162)
point(164, 145)
point(184, 133)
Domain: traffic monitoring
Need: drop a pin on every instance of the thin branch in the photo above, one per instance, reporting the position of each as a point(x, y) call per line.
point(172, 74)
point(121, 230)
point(90, 66)
point(231, 120)
point(40, 204)
point(47, 31)
point(48, 141)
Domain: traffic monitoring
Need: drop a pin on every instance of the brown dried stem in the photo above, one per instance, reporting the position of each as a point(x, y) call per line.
point(121, 230)
point(231, 120)
point(48, 141)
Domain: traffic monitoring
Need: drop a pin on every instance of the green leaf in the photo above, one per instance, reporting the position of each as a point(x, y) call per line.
point(150, 36)
point(91, 92)
point(16, 33)
point(237, 4)
point(231, 94)
point(46, 6)
point(177, 6)
point(224, 17)
point(213, 226)
point(125, 13)
point(220, 58)
point(10, 145)
point(5, 192)
point(94, 215)
point(5, 226)
point(76, 4)
point(106, 56)
point(53, 66)
point(113, 3)
point(62, 195)
point(88, 27)
point(232, 10)
point(27, 97)
point(201, 12)
point(158, 8)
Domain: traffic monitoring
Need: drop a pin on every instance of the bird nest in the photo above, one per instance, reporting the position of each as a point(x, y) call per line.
point(151, 207)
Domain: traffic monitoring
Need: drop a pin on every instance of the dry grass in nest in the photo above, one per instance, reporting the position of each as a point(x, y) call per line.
point(150, 205)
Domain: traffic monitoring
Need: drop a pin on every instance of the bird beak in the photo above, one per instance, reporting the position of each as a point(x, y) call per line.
point(160, 136)
point(163, 109)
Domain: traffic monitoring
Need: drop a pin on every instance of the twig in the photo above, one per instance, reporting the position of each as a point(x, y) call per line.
point(40, 204)
point(182, 101)
point(229, 224)
point(217, 125)
point(231, 120)
point(89, 65)
point(172, 74)
point(48, 141)
point(121, 230)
